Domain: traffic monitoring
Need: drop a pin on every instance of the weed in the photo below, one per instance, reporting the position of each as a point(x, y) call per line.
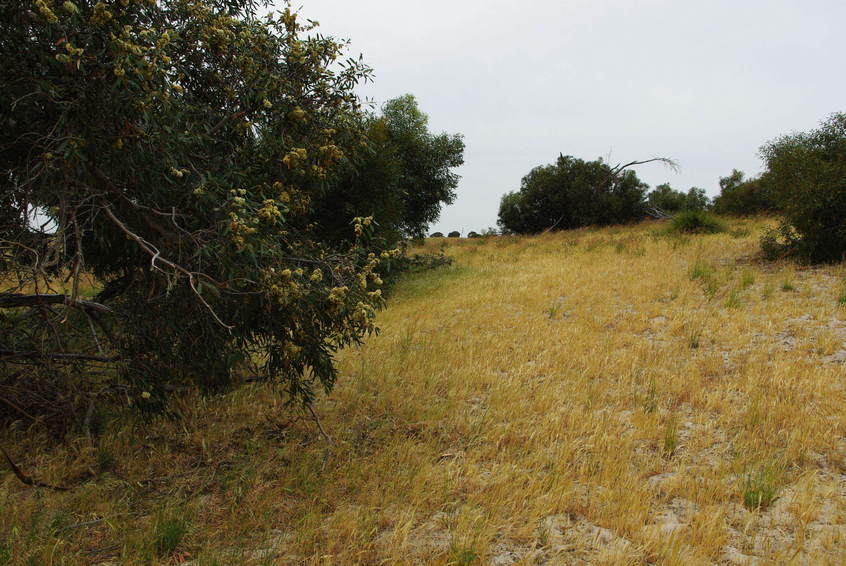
point(553, 310)
point(767, 291)
point(464, 557)
point(695, 222)
point(671, 437)
point(788, 286)
point(169, 528)
point(733, 300)
point(651, 403)
point(841, 299)
point(747, 279)
point(701, 270)
point(106, 460)
point(760, 488)
point(693, 333)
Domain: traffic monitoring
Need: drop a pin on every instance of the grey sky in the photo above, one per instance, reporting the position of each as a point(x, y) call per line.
point(705, 83)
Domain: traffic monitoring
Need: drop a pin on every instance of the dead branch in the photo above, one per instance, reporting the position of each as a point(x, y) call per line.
point(12, 300)
point(26, 480)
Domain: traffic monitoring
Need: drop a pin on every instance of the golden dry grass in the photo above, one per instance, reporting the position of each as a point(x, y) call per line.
point(599, 396)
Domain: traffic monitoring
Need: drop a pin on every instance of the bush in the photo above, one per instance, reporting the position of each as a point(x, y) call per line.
point(743, 197)
point(696, 222)
point(664, 198)
point(474, 235)
point(807, 174)
point(572, 193)
point(436, 235)
point(455, 234)
point(171, 151)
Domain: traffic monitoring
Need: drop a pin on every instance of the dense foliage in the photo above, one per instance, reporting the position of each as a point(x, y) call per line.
point(402, 176)
point(571, 193)
point(170, 151)
point(664, 198)
point(806, 173)
point(695, 222)
point(740, 196)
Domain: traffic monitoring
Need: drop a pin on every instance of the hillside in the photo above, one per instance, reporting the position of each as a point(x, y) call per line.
point(608, 396)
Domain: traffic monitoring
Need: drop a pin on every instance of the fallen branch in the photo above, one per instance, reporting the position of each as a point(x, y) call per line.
point(26, 480)
point(39, 300)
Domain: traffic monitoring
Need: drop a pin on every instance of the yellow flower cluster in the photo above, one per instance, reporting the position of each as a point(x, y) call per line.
point(45, 10)
point(338, 294)
point(360, 223)
point(330, 154)
point(295, 157)
point(269, 212)
point(101, 15)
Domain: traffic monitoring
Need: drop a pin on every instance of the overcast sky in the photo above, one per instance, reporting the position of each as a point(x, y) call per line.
point(703, 82)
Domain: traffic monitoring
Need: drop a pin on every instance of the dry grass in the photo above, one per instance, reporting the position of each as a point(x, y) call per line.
point(599, 396)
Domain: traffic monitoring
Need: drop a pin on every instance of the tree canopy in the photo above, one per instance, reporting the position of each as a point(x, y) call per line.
point(742, 196)
point(159, 164)
point(572, 193)
point(806, 173)
point(666, 199)
point(402, 176)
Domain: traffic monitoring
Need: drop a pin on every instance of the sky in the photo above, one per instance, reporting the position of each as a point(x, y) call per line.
point(704, 83)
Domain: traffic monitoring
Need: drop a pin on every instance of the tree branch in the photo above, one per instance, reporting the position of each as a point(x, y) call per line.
point(39, 300)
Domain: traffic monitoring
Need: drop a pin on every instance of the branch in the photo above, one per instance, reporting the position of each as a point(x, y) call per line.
point(26, 480)
point(56, 356)
point(672, 164)
point(156, 256)
point(39, 300)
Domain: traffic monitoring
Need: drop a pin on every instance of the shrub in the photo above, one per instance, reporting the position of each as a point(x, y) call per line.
point(473, 235)
point(455, 234)
point(436, 235)
point(572, 193)
point(742, 197)
point(807, 172)
point(696, 222)
point(171, 151)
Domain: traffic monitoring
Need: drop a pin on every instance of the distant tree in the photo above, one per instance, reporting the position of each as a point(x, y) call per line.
point(572, 193)
point(807, 174)
point(161, 158)
point(402, 176)
point(473, 235)
point(436, 235)
point(696, 199)
point(455, 234)
point(740, 196)
point(665, 199)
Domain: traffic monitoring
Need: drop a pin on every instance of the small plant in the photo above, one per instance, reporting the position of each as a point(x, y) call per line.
point(168, 530)
point(650, 405)
point(788, 286)
point(671, 437)
point(106, 461)
point(747, 279)
point(760, 488)
point(694, 336)
point(700, 270)
point(553, 310)
point(841, 299)
point(464, 557)
point(695, 222)
point(733, 300)
point(767, 291)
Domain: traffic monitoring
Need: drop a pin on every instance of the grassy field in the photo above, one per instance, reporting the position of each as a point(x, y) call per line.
point(609, 396)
